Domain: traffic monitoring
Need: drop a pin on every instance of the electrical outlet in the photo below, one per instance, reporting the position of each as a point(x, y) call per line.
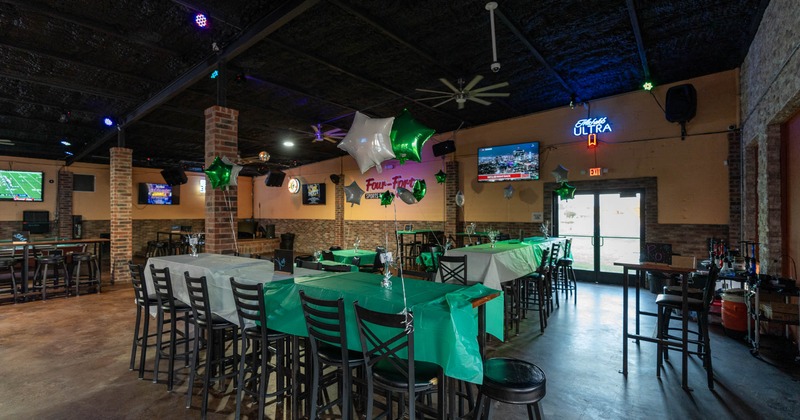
point(537, 217)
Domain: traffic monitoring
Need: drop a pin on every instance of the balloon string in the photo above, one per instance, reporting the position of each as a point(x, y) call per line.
point(409, 324)
point(230, 212)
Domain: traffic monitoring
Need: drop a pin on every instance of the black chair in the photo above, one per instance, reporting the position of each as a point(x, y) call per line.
point(217, 331)
point(144, 301)
point(390, 362)
point(552, 275)
point(669, 302)
point(565, 274)
point(8, 285)
point(453, 269)
point(327, 334)
point(327, 255)
point(335, 248)
point(313, 265)
point(88, 279)
point(42, 280)
point(511, 381)
point(377, 265)
point(254, 367)
point(535, 288)
point(341, 268)
point(170, 311)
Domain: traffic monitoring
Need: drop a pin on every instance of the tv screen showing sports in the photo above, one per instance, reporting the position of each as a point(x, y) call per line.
point(160, 194)
point(21, 185)
point(511, 162)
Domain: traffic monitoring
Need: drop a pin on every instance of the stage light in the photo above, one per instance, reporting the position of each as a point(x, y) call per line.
point(68, 153)
point(65, 142)
point(648, 86)
point(108, 121)
point(215, 74)
point(288, 143)
point(201, 20)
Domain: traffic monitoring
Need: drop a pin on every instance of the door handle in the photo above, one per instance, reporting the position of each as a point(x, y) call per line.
point(602, 241)
point(592, 240)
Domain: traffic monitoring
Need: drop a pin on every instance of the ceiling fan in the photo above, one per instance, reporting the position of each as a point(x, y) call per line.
point(333, 135)
point(465, 93)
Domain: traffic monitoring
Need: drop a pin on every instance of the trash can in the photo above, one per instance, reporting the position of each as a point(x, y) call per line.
point(734, 310)
point(287, 241)
point(656, 281)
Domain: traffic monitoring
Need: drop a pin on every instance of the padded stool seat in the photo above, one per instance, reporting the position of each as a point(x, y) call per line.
point(512, 381)
point(92, 275)
point(45, 263)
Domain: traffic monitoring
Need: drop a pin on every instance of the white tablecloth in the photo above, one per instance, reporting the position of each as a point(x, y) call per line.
point(218, 269)
point(505, 262)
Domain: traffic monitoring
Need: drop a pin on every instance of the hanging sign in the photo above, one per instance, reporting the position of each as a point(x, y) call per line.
point(393, 183)
point(587, 126)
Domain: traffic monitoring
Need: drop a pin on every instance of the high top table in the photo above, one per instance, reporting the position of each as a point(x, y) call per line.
point(640, 269)
point(345, 256)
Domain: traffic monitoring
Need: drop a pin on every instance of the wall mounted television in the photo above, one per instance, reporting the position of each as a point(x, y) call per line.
point(21, 185)
point(510, 162)
point(161, 194)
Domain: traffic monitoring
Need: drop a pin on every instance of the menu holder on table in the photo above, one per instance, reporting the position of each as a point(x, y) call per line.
point(283, 260)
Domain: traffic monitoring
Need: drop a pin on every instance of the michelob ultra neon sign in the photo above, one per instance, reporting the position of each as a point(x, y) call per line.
point(588, 126)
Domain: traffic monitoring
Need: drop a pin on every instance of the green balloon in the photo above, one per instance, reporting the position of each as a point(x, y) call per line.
point(441, 177)
point(219, 173)
point(408, 136)
point(420, 189)
point(565, 191)
point(386, 198)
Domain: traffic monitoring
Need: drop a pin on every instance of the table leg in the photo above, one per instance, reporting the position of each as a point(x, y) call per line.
point(638, 305)
point(625, 321)
point(295, 374)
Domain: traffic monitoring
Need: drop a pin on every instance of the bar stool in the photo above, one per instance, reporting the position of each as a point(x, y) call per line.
point(170, 311)
point(44, 263)
point(7, 264)
point(144, 300)
point(511, 381)
point(566, 275)
point(157, 249)
point(91, 277)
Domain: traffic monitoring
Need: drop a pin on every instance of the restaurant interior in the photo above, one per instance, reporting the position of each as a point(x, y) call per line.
point(589, 195)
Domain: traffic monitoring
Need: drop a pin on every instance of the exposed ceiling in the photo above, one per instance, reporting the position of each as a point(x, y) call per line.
point(65, 64)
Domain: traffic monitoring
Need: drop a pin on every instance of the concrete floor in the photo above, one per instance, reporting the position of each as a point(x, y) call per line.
point(67, 358)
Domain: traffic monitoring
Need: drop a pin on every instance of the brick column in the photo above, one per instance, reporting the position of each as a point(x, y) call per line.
point(454, 215)
point(64, 205)
point(735, 233)
point(222, 140)
point(770, 211)
point(338, 223)
point(121, 213)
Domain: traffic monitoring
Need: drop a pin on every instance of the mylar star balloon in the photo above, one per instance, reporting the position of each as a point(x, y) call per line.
point(560, 173)
point(408, 136)
point(565, 191)
point(420, 189)
point(386, 198)
point(353, 193)
point(219, 173)
point(460, 199)
point(235, 169)
point(508, 192)
point(441, 177)
point(405, 195)
point(368, 141)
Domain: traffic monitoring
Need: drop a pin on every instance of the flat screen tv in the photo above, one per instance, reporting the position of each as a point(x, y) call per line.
point(152, 193)
point(21, 185)
point(510, 162)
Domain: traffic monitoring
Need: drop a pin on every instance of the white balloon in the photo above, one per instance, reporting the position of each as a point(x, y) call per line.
point(460, 199)
point(369, 141)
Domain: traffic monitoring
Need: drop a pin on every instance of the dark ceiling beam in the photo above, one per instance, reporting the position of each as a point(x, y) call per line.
point(260, 30)
point(53, 125)
point(58, 107)
point(363, 79)
point(380, 27)
point(535, 53)
point(68, 59)
point(72, 87)
point(94, 26)
point(638, 34)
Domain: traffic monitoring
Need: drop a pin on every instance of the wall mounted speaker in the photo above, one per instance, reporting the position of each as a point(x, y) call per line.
point(681, 103)
point(274, 178)
point(174, 176)
point(443, 148)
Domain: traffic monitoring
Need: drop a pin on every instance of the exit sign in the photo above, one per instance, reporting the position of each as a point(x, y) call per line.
point(595, 171)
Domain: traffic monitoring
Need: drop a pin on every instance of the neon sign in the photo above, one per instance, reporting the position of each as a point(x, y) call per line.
point(588, 126)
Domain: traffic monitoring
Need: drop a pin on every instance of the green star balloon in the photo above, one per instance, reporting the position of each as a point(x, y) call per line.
point(420, 189)
point(408, 135)
point(219, 173)
point(565, 191)
point(441, 177)
point(386, 198)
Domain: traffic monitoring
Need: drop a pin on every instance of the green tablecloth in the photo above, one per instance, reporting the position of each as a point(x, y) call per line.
point(429, 260)
point(346, 256)
point(445, 322)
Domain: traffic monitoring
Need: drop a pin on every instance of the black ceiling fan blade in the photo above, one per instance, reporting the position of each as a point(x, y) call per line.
point(490, 87)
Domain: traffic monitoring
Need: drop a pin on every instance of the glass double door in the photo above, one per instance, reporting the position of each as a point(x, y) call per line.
point(605, 227)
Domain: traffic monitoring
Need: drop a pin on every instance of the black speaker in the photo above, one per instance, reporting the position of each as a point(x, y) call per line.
point(274, 178)
point(681, 103)
point(443, 148)
point(174, 176)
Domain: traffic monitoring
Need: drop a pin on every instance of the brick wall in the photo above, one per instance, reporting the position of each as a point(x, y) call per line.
point(63, 228)
point(121, 169)
point(221, 134)
point(454, 215)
